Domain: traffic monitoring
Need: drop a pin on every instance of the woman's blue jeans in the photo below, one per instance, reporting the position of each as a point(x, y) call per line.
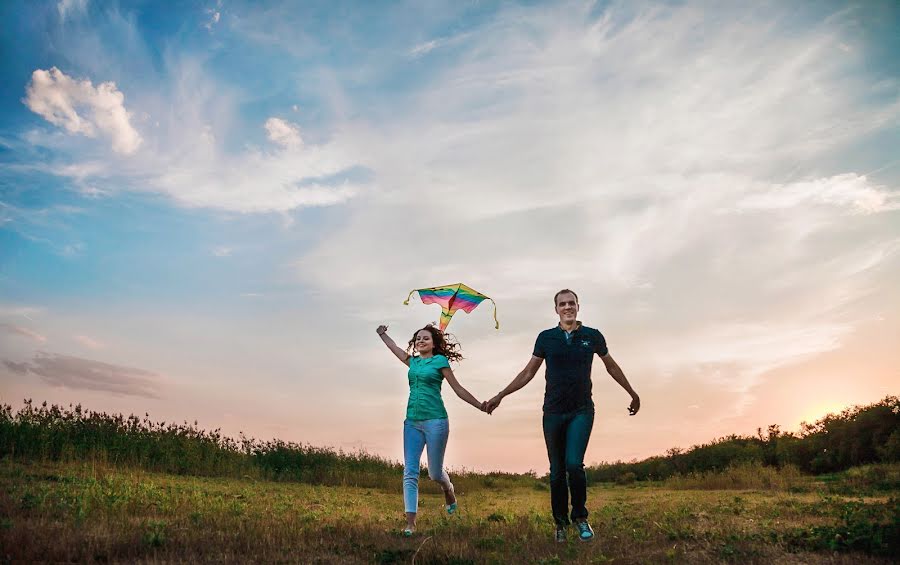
point(418, 434)
point(567, 438)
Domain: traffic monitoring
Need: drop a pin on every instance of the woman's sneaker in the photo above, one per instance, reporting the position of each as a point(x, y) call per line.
point(408, 532)
point(585, 533)
point(451, 508)
point(561, 534)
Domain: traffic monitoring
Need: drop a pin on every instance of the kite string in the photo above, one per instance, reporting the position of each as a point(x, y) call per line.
point(496, 322)
point(406, 302)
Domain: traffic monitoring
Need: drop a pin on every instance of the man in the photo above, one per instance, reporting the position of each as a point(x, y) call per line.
point(569, 350)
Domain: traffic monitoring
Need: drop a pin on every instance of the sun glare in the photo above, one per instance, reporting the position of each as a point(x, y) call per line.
point(818, 410)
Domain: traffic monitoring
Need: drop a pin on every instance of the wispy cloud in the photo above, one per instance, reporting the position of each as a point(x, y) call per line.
point(426, 47)
point(68, 8)
point(423, 48)
point(639, 173)
point(850, 192)
point(24, 311)
point(78, 373)
point(90, 342)
point(25, 332)
point(710, 179)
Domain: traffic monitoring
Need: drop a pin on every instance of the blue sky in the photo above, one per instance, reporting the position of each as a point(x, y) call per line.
point(218, 202)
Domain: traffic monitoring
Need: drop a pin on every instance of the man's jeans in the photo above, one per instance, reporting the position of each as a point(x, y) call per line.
point(567, 438)
point(417, 434)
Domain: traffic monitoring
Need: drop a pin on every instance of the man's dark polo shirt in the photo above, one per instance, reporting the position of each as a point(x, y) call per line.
point(569, 358)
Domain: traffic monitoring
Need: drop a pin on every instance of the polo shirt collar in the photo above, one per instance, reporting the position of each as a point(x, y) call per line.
point(575, 329)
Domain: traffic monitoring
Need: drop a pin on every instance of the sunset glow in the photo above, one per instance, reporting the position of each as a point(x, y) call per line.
point(207, 209)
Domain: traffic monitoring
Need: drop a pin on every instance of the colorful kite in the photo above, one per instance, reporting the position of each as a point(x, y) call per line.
point(452, 297)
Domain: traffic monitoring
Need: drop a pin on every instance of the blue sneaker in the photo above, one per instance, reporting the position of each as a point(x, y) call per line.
point(585, 533)
point(451, 508)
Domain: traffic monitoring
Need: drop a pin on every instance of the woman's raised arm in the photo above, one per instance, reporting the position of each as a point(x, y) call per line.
point(395, 349)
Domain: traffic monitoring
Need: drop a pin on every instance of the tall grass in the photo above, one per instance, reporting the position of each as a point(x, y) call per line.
point(58, 434)
point(860, 435)
point(54, 433)
point(753, 475)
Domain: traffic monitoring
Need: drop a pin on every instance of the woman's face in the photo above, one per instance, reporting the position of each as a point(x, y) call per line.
point(424, 342)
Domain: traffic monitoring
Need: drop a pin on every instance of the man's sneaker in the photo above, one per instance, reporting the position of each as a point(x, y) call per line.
point(584, 530)
point(561, 534)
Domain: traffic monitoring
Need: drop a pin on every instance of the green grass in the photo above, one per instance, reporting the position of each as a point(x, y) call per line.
point(88, 513)
point(84, 486)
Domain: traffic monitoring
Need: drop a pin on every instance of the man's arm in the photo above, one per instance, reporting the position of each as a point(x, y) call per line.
point(522, 379)
point(616, 373)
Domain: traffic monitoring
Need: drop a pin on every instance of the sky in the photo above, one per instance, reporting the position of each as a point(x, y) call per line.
point(207, 208)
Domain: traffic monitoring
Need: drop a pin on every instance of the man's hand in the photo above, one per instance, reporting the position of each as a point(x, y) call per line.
point(492, 404)
point(635, 405)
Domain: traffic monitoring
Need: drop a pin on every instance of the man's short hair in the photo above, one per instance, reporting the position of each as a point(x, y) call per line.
point(564, 291)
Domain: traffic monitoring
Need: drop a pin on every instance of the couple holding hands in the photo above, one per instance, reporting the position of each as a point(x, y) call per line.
point(569, 350)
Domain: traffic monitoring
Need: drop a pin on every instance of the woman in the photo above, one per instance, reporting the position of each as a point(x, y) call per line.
point(427, 355)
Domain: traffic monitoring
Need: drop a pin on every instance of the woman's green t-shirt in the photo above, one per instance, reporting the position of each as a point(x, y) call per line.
point(425, 378)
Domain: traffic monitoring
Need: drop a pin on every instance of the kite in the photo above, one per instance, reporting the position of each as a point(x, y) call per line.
point(452, 297)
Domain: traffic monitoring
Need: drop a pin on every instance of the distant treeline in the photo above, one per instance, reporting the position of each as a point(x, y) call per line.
point(55, 433)
point(856, 436)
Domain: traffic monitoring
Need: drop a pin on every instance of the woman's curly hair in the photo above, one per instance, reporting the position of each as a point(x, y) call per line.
point(444, 344)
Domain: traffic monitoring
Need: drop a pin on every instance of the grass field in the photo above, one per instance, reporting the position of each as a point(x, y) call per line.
point(85, 513)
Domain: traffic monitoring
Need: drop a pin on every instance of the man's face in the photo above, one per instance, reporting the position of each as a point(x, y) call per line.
point(566, 307)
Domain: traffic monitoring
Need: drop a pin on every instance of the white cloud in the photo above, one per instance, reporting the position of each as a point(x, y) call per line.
point(846, 191)
point(68, 8)
point(643, 156)
point(90, 342)
point(58, 99)
point(222, 251)
point(754, 347)
point(186, 158)
point(283, 133)
point(214, 16)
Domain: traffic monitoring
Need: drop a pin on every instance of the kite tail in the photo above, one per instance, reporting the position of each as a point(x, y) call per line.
point(445, 319)
point(406, 302)
point(496, 322)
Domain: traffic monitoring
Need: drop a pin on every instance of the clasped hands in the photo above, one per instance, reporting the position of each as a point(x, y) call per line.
point(490, 405)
